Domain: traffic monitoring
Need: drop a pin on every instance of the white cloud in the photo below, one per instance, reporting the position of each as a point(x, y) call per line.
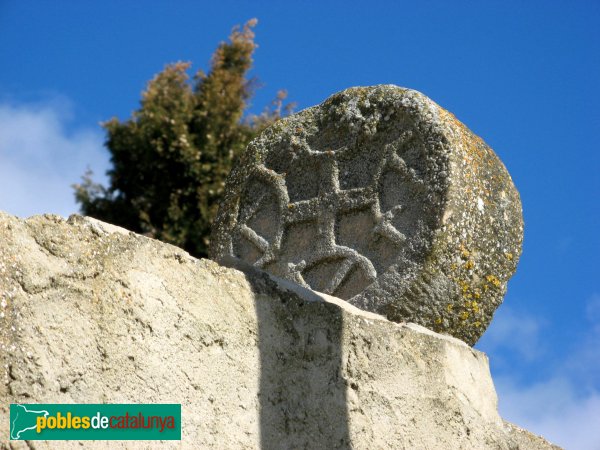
point(41, 157)
point(516, 332)
point(584, 362)
point(593, 310)
point(554, 410)
point(565, 406)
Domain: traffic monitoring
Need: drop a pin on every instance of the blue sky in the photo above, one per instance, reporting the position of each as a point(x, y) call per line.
point(522, 75)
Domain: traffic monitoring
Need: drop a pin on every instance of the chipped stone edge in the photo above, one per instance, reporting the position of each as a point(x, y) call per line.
point(315, 296)
point(97, 226)
point(516, 430)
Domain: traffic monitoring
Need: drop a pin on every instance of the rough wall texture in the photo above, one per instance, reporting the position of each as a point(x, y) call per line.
point(92, 313)
point(382, 198)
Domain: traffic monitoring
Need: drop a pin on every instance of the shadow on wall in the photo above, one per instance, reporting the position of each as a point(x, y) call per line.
point(302, 393)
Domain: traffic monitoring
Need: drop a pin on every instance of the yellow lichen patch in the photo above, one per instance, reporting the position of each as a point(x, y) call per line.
point(469, 264)
point(494, 280)
point(472, 305)
point(290, 206)
point(464, 253)
point(438, 320)
point(464, 315)
point(449, 308)
point(509, 256)
point(464, 286)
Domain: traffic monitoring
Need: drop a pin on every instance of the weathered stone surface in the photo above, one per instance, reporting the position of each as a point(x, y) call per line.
point(91, 313)
point(382, 198)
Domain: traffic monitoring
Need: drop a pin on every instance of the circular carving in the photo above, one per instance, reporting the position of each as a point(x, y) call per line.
point(375, 197)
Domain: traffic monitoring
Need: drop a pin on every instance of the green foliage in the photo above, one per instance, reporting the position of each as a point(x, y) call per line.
point(171, 158)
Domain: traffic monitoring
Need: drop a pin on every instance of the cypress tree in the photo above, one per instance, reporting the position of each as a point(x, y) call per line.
point(171, 158)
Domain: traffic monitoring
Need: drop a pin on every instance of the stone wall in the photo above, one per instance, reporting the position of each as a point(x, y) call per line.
point(91, 313)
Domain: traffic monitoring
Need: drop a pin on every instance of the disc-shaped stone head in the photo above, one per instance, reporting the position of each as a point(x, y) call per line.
point(382, 198)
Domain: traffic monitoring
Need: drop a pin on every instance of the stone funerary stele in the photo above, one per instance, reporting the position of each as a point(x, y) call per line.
point(382, 198)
